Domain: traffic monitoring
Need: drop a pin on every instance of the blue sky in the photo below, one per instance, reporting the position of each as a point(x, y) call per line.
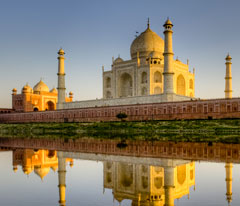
point(93, 31)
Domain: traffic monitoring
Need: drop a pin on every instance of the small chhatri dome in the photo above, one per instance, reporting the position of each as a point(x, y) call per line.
point(15, 168)
point(54, 90)
point(168, 22)
point(27, 170)
point(118, 60)
point(61, 52)
point(70, 93)
point(71, 163)
point(147, 42)
point(54, 168)
point(14, 91)
point(41, 172)
point(27, 89)
point(40, 87)
point(228, 57)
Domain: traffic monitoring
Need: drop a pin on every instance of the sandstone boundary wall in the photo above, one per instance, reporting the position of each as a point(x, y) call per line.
point(195, 109)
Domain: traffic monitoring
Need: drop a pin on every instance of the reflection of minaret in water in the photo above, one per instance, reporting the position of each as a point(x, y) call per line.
point(169, 186)
point(228, 179)
point(62, 179)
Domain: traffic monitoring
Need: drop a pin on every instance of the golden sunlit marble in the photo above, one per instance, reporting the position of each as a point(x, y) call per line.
point(37, 99)
point(144, 185)
point(151, 70)
point(151, 76)
point(39, 161)
point(148, 185)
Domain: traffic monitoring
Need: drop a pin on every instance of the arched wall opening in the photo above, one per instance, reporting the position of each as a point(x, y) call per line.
point(144, 91)
point(157, 77)
point(191, 84)
point(126, 85)
point(35, 109)
point(157, 90)
point(108, 82)
point(181, 174)
point(144, 77)
point(181, 85)
point(50, 106)
point(108, 95)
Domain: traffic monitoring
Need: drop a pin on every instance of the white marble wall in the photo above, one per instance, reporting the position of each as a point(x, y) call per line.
point(125, 101)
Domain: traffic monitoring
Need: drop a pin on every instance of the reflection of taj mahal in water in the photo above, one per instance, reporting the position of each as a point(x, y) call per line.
point(148, 185)
point(150, 182)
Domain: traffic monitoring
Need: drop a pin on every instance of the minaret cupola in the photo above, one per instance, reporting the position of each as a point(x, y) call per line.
point(168, 25)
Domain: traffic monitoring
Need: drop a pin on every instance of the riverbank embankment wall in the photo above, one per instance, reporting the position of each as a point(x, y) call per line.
point(195, 109)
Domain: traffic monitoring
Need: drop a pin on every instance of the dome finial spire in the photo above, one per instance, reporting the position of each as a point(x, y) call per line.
point(148, 23)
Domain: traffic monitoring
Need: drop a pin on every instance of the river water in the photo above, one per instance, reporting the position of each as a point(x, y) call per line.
point(106, 173)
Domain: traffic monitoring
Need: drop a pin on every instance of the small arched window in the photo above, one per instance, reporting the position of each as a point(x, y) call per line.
point(157, 90)
point(35, 109)
point(157, 77)
point(144, 91)
point(144, 77)
point(191, 84)
point(108, 95)
point(181, 87)
point(108, 82)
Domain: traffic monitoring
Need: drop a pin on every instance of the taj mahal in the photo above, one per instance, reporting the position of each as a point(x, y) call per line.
point(152, 75)
point(149, 69)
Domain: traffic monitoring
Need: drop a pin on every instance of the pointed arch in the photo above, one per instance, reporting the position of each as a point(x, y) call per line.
point(191, 84)
point(144, 77)
point(108, 82)
point(181, 85)
point(157, 77)
point(108, 95)
point(50, 106)
point(181, 174)
point(125, 85)
point(157, 90)
point(144, 91)
point(35, 109)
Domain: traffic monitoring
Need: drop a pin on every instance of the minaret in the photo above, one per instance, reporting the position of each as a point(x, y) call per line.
point(169, 185)
point(61, 79)
point(168, 58)
point(228, 180)
point(62, 179)
point(228, 77)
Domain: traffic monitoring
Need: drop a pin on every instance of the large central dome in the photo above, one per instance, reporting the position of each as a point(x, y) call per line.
point(146, 43)
point(40, 87)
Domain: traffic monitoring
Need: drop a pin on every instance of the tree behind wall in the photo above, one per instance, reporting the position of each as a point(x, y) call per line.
point(121, 116)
